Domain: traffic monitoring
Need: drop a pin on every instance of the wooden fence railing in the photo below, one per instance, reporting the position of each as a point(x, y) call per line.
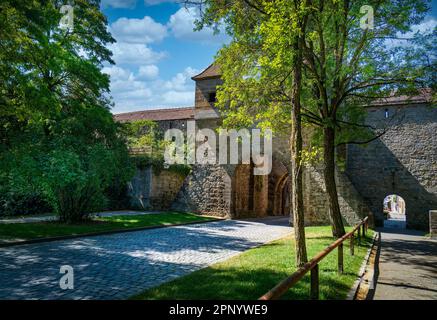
point(313, 265)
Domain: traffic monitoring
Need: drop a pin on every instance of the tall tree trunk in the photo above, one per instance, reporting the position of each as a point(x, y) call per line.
point(331, 188)
point(296, 153)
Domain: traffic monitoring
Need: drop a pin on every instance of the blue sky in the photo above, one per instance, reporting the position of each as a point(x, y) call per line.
point(157, 52)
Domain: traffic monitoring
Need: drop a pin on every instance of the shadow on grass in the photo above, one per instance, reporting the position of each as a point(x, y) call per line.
point(231, 283)
point(256, 271)
point(235, 284)
point(129, 262)
point(35, 230)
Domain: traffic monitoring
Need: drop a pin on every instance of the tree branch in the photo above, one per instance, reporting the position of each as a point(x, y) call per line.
point(363, 142)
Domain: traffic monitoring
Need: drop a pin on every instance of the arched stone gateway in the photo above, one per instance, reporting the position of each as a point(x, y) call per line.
point(242, 191)
point(394, 212)
point(403, 161)
point(258, 196)
point(279, 190)
point(282, 197)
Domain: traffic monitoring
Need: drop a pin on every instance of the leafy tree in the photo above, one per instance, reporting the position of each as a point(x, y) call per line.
point(46, 71)
point(246, 98)
point(74, 184)
point(58, 135)
point(348, 66)
point(143, 133)
point(343, 67)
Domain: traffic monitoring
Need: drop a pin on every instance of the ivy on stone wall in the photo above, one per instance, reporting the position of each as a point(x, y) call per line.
point(145, 135)
point(144, 161)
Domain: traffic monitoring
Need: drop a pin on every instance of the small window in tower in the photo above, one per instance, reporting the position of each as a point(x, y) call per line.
point(212, 97)
point(386, 113)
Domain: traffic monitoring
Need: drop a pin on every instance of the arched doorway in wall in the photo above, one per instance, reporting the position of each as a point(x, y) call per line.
point(250, 193)
point(279, 190)
point(281, 197)
point(258, 195)
point(242, 191)
point(395, 212)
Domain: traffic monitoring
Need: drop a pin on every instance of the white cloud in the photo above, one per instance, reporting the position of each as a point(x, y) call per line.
point(425, 27)
point(135, 80)
point(126, 90)
point(142, 31)
point(143, 89)
point(117, 73)
point(135, 96)
point(181, 25)
point(179, 98)
point(182, 80)
point(148, 72)
point(127, 4)
point(133, 53)
point(133, 38)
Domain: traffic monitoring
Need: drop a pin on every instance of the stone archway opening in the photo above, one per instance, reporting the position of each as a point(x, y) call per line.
point(279, 190)
point(250, 193)
point(260, 195)
point(395, 212)
point(281, 197)
point(242, 191)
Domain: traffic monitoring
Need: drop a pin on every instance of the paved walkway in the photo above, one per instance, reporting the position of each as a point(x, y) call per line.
point(407, 266)
point(396, 221)
point(120, 265)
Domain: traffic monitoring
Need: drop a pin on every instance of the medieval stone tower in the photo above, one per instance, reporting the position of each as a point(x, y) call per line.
point(403, 161)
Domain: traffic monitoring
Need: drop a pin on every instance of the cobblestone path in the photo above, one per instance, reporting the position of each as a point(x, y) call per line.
point(119, 265)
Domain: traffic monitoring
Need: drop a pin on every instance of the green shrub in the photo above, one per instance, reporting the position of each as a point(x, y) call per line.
point(117, 195)
point(73, 183)
point(58, 137)
point(13, 204)
point(145, 133)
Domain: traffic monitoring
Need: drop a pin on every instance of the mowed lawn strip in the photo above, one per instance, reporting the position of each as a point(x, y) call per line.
point(35, 230)
point(254, 272)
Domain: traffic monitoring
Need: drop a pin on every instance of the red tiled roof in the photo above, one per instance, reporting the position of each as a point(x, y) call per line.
point(211, 72)
point(424, 96)
point(157, 115)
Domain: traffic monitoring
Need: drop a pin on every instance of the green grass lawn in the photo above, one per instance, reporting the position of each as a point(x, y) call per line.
point(254, 272)
point(26, 231)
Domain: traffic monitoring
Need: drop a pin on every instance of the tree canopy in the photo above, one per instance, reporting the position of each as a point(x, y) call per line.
point(345, 65)
point(59, 139)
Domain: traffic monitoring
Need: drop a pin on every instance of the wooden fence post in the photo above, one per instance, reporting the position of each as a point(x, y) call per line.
point(359, 235)
point(340, 259)
point(315, 283)
point(313, 265)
